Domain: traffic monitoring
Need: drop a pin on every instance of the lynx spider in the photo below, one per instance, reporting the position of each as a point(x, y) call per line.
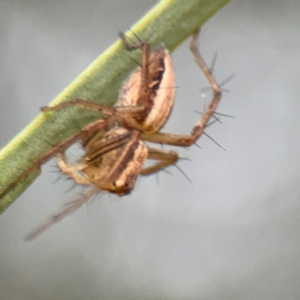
point(115, 146)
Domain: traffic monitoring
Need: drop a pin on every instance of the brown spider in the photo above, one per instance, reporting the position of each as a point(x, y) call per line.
point(115, 148)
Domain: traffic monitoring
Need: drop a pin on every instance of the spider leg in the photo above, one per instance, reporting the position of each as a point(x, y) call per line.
point(98, 124)
point(198, 129)
point(71, 170)
point(145, 48)
point(164, 159)
point(119, 112)
point(73, 206)
point(151, 70)
point(110, 111)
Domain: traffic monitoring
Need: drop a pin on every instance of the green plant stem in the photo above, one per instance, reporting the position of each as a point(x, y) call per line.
point(169, 22)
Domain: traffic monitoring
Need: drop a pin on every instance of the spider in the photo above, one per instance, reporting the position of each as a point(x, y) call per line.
point(115, 146)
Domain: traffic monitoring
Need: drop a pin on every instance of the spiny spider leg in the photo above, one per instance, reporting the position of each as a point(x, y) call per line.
point(164, 159)
point(73, 206)
point(145, 48)
point(110, 111)
point(98, 124)
point(120, 111)
point(147, 83)
point(71, 170)
point(197, 131)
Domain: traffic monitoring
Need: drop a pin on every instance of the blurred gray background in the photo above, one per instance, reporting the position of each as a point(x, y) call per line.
point(233, 233)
